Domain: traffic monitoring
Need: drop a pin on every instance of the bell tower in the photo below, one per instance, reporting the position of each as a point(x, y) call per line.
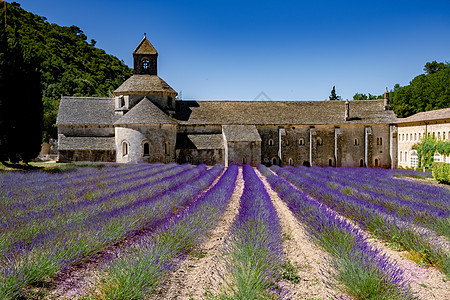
point(145, 58)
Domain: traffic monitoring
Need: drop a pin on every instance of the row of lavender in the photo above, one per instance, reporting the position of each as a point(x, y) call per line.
point(136, 272)
point(410, 221)
point(253, 250)
point(81, 219)
point(363, 270)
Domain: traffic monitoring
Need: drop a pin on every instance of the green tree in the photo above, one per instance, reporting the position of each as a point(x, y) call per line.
point(333, 95)
point(425, 92)
point(425, 151)
point(433, 67)
point(20, 100)
point(360, 96)
point(69, 66)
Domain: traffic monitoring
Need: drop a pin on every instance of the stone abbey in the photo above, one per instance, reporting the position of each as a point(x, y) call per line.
point(145, 122)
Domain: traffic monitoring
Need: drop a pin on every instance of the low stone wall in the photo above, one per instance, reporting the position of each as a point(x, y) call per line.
point(87, 155)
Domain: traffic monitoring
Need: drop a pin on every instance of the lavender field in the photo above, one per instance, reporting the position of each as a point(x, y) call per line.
point(151, 218)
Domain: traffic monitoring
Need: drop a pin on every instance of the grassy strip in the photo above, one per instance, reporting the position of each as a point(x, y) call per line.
point(73, 243)
point(375, 219)
point(253, 252)
point(364, 271)
point(136, 272)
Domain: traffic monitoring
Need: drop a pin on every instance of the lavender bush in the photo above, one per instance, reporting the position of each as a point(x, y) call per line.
point(363, 270)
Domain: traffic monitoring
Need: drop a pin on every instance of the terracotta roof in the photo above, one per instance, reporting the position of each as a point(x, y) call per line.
point(241, 133)
point(142, 84)
point(86, 111)
point(199, 141)
point(282, 112)
point(85, 143)
point(145, 47)
point(145, 112)
point(440, 114)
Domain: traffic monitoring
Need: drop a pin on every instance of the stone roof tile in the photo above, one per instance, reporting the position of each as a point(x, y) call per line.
point(86, 111)
point(199, 141)
point(142, 84)
point(241, 133)
point(282, 112)
point(439, 114)
point(85, 143)
point(145, 112)
point(145, 47)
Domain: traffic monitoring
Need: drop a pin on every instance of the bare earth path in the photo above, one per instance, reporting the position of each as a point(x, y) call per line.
point(198, 273)
point(82, 278)
point(300, 250)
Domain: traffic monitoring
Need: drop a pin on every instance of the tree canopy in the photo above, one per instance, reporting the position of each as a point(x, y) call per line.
point(20, 100)
point(429, 91)
point(68, 64)
point(333, 95)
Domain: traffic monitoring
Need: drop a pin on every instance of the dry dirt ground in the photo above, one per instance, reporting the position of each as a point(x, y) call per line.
point(198, 273)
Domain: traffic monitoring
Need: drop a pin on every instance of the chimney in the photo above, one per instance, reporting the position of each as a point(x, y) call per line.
point(386, 100)
point(347, 111)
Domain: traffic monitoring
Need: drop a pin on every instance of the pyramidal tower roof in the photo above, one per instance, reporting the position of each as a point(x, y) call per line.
point(145, 47)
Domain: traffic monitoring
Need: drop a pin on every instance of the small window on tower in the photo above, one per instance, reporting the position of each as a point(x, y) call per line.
point(145, 64)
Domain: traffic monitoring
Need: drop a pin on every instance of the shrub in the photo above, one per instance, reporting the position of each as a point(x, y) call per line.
point(441, 172)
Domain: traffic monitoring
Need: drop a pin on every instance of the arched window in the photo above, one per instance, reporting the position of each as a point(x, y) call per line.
point(443, 135)
point(146, 149)
point(376, 162)
point(420, 136)
point(356, 142)
point(291, 161)
point(400, 155)
point(319, 141)
point(189, 159)
point(244, 160)
point(361, 162)
point(124, 148)
point(301, 141)
point(274, 161)
point(406, 156)
point(270, 142)
point(414, 158)
point(439, 136)
point(145, 64)
point(380, 140)
point(330, 162)
point(415, 136)
point(167, 148)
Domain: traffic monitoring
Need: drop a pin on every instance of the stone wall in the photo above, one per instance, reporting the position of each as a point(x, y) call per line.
point(87, 130)
point(87, 155)
point(240, 153)
point(209, 157)
point(412, 133)
point(136, 136)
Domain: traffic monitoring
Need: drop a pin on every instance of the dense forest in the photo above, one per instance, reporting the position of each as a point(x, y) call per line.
point(425, 92)
point(67, 63)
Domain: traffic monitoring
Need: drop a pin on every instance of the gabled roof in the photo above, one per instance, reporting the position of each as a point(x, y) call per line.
point(199, 141)
point(145, 47)
point(85, 143)
point(241, 133)
point(142, 84)
point(433, 115)
point(145, 112)
point(282, 112)
point(86, 111)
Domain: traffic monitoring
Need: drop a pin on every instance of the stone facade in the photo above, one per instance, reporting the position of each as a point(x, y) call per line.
point(413, 129)
point(145, 122)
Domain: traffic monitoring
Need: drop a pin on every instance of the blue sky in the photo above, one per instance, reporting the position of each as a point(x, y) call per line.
point(291, 50)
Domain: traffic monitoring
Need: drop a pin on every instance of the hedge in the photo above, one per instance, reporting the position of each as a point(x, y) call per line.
point(441, 172)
